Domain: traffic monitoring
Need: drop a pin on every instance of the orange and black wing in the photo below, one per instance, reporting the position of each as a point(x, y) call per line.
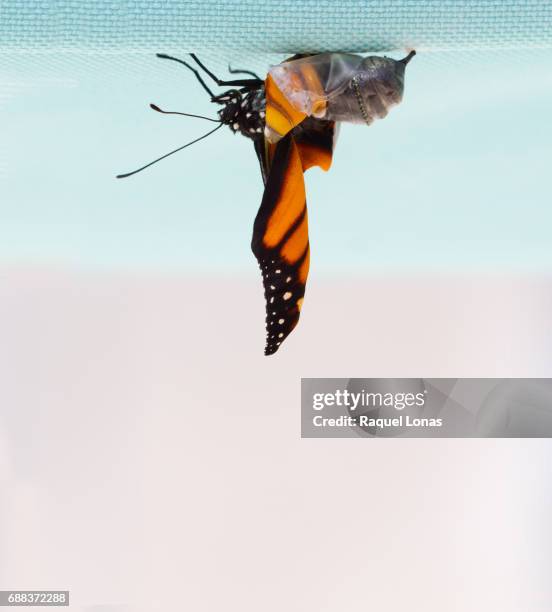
point(280, 233)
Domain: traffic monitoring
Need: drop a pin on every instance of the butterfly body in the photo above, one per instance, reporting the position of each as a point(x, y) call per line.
point(292, 118)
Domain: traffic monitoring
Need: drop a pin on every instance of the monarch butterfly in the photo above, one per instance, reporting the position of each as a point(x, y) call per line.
point(292, 118)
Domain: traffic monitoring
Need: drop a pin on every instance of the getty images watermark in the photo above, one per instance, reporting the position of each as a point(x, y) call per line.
point(370, 400)
point(426, 407)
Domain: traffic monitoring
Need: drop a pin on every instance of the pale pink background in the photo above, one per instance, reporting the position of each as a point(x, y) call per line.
point(150, 456)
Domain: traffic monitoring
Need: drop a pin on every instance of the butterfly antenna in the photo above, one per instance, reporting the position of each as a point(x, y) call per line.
point(171, 153)
point(160, 110)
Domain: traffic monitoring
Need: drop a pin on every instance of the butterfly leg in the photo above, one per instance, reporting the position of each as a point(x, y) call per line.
point(240, 71)
point(238, 82)
point(198, 76)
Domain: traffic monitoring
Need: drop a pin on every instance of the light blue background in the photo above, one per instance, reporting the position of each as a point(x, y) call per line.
point(457, 177)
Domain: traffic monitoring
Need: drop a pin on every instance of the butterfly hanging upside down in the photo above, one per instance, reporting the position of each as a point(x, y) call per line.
point(292, 119)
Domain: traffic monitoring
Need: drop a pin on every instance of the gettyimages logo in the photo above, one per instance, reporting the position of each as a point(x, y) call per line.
point(365, 399)
point(425, 407)
point(386, 407)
